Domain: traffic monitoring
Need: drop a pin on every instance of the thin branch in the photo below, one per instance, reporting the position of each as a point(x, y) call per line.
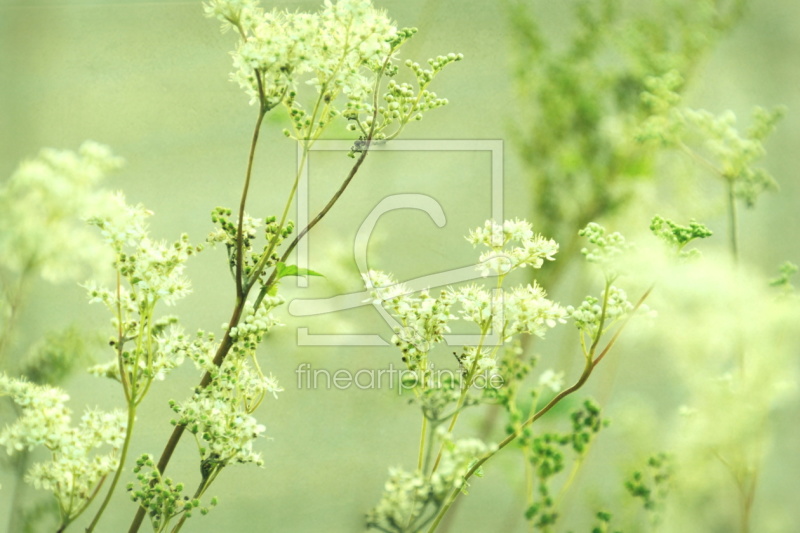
point(587, 371)
point(239, 232)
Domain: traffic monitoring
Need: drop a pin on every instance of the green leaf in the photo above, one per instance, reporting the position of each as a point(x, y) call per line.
point(283, 270)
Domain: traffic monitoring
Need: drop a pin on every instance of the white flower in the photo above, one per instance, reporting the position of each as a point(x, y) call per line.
point(502, 258)
point(552, 380)
point(75, 467)
point(43, 207)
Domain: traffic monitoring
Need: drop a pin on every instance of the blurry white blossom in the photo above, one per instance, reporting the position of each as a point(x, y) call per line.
point(43, 207)
point(76, 466)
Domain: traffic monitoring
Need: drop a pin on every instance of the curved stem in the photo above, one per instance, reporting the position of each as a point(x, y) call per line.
point(273, 242)
point(733, 224)
point(226, 343)
point(120, 467)
point(201, 489)
point(589, 366)
point(324, 211)
point(166, 455)
point(462, 397)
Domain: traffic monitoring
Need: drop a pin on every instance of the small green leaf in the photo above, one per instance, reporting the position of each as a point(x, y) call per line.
point(283, 270)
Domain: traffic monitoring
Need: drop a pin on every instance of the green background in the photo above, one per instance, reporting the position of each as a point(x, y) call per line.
point(150, 80)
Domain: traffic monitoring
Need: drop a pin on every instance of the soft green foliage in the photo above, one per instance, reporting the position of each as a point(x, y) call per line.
point(53, 359)
point(652, 486)
point(783, 281)
point(721, 148)
point(580, 102)
point(677, 237)
point(547, 459)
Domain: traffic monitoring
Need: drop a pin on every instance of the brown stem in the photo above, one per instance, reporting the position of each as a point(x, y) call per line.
point(177, 433)
point(243, 202)
point(243, 289)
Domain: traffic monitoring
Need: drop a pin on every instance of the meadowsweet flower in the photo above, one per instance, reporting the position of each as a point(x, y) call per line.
point(531, 250)
point(335, 47)
point(409, 497)
point(43, 207)
point(550, 379)
point(423, 319)
point(384, 288)
point(523, 309)
point(527, 310)
point(220, 415)
point(477, 304)
point(76, 466)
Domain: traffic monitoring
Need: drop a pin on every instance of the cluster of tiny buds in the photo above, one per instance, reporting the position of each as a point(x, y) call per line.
point(401, 36)
point(609, 246)
point(272, 228)
point(424, 76)
point(252, 328)
point(162, 497)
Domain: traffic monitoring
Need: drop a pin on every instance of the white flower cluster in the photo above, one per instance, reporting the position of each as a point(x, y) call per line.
point(332, 46)
point(220, 415)
point(423, 318)
point(217, 417)
point(410, 497)
point(154, 269)
point(479, 305)
point(524, 309)
point(505, 313)
point(527, 310)
point(341, 51)
point(146, 347)
point(457, 457)
point(550, 379)
point(42, 208)
point(728, 152)
point(486, 364)
point(532, 249)
point(405, 495)
point(75, 468)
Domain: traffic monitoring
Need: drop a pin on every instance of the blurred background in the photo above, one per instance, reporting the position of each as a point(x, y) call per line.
point(150, 79)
